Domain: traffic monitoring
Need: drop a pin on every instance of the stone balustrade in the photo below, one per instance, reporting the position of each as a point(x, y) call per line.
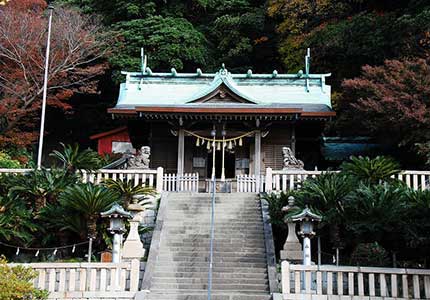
point(345, 282)
point(88, 280)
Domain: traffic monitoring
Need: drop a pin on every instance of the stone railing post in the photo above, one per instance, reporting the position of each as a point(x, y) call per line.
point(269, 180)
point(285, 278)
point(134, 275)
point(159, 184)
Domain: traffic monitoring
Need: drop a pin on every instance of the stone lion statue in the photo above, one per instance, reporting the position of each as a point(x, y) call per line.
point(141, 159)
point(290, 161)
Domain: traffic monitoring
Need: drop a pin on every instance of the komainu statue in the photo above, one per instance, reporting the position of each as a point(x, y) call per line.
point(290, 161)
point(141, 159)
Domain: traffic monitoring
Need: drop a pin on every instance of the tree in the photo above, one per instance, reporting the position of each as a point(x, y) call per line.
point(73, 158)
point(169, 42)
point(40, 187)
point(327, 194)
point(371, 170)
point(76, 56)
point(128, 191)
point(391, 102)
point(88, 200)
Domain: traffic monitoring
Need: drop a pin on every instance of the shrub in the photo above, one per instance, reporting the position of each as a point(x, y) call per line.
point(16, 283)
point(7, 162)
point(371, 170)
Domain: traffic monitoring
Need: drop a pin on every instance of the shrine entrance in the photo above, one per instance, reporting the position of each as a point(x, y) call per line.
point(229, 164)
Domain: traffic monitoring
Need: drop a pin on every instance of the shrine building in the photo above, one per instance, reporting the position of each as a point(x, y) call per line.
point(246, 118)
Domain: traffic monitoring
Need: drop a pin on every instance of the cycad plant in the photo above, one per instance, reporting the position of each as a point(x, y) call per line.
point(377, 213)
point(128, 191)
point(88, 200)
point(371, 170)
point(73, 158)
point(326, 195)
point(40, 187)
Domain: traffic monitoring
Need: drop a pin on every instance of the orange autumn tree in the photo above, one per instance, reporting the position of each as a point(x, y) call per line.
point(76, 61)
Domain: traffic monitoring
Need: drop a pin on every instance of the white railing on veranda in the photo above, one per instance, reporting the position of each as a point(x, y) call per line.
point(249, 184)
point(344, 282)
point(189, 182)
point(287, 180)
point(146, 177)
point(87, 280)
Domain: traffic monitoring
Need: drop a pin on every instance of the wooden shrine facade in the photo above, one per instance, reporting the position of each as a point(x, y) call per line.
point(253, 116)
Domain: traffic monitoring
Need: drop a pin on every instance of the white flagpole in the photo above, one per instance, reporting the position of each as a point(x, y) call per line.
point(45, 90)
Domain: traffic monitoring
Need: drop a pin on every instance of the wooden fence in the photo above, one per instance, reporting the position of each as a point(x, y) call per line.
point(249, 184)
point(344, 282)
point(189, 182)
point(87, 280)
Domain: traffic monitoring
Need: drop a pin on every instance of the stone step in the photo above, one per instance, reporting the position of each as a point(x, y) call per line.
point(204, 258)
point(204, 275)
point(217, 248)
point(232, 254)
point(252, 240)
point(218, 232)
point(160, 295)
point(219, 236)
point(203, 264)
point(204, 280)
point(215, 287)
point(216, 269)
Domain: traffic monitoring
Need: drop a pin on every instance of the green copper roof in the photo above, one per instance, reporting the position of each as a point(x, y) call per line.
point(181, 89)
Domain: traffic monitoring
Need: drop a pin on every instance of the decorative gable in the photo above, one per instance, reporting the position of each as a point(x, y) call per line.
point(222, 94)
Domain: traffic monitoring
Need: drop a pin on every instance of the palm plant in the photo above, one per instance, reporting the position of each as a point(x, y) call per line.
point(377, 213)
point(74, 159)
point(89, 200)
point(128, 191)
point(39, 187)
point(371, 170)
point(326, 194)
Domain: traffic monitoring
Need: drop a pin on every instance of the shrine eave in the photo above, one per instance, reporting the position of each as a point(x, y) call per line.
point(224, 112)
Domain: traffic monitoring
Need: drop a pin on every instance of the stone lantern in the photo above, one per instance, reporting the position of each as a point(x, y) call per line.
point(292, 248)
point(116, 215)
point(306, 219)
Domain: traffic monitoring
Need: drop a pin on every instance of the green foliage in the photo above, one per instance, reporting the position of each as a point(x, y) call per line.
point(377, 213)
point(39, 187)
point(371, 170)
point(7, 162)
point(73, 158)
point(276, 203)
point(88, 200)
point(16, 283)
point(127, 191)
point(169, 42)
point(326, 194)
point(16, 224)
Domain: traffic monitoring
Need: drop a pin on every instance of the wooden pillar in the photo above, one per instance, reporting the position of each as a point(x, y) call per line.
point(180, 165)
point(293, 139)
point(257, 157)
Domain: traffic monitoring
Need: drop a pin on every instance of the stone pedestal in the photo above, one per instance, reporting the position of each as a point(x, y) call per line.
point(292, 248)
point(133, 246)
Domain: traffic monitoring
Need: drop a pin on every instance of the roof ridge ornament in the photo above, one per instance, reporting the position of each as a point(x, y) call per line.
point(223, 70)
point(307, 67)
point(143, 61)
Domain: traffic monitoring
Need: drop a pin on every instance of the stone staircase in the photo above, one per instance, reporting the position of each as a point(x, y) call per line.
point(240, 268)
